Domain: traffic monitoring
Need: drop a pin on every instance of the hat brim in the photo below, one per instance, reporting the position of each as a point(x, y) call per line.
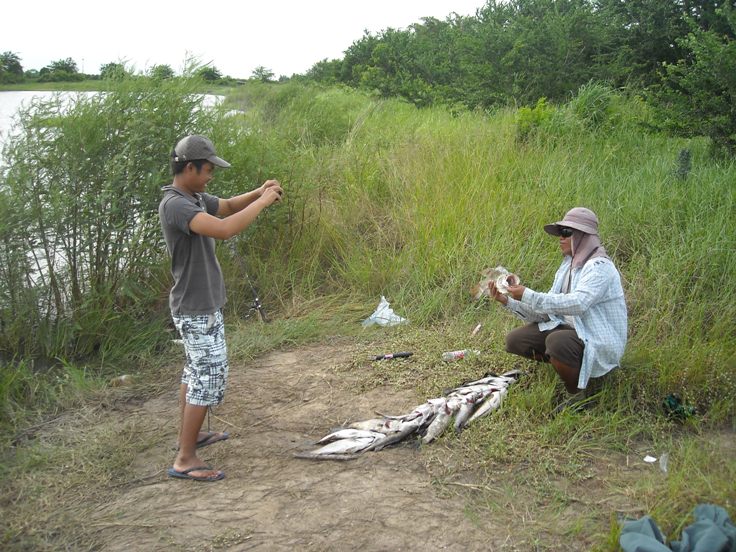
point(554, 228)
point(218, 161)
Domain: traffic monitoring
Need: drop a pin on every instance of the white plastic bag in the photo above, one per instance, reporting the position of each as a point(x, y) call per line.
point(384, 316)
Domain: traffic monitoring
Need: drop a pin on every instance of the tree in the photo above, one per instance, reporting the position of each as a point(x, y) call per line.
point(78, 242)
point(59, 71)
point(11, 69)
point(357, 59)
point(161, 72)
point(262, 74)
point(113, 70)
point(325, 71)
point(68, 65)
point(553, 43)
point(697, 94)
point(639, 36)
point(209, 73)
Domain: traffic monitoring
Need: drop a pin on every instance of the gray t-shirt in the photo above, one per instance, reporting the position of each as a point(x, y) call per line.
point(198, 284)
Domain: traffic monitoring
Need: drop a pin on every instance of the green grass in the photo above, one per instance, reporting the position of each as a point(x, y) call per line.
point(413, 204)
point(75, 86)
point(589, 461)
point(94, 85)
point(385, 199)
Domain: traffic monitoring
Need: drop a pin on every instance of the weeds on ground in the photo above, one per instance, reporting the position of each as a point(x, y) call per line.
point(576, 476)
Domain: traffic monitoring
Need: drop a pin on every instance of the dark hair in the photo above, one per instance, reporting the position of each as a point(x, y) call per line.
point(178, 166)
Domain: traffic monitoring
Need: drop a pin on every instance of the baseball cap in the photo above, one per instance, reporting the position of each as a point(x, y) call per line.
point(194, 147)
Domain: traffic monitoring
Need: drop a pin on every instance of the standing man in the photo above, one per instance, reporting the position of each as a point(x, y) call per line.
point(580, 325)
point(191, 220)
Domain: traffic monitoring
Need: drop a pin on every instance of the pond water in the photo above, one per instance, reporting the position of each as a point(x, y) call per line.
point(12, 101)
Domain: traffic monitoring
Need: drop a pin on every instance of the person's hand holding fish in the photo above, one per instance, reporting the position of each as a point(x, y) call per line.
point(514, 291)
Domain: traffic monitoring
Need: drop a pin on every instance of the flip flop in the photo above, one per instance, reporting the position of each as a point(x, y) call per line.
point(185, 474)
point(211, 437)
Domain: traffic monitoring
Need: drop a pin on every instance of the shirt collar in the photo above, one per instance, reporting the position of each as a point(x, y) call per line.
point(197, 198)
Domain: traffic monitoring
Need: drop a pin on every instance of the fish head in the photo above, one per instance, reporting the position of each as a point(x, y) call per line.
point(498, 275)
point(504, 280)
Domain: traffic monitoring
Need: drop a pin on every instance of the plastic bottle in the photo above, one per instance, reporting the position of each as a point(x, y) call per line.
point(457, 355)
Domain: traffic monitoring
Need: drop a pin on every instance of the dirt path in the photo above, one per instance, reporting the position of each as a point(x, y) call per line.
point(270, 500)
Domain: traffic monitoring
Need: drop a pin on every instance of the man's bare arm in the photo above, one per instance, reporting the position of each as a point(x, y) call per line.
point(205, 224)
point(235, 204)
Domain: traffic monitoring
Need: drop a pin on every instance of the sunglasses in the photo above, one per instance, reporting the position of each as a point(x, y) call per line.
point(565, 232)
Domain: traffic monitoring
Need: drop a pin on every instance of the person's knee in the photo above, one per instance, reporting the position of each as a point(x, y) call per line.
point(564, 347)
point(513, 345)
point(554, 347)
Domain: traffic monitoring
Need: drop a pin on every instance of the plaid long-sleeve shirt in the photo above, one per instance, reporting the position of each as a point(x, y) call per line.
point(596, 303)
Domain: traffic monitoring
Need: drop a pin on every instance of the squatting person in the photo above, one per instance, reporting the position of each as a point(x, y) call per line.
point(192, 220)
point(580, 325)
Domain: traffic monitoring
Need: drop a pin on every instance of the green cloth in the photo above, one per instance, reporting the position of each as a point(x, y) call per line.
point(712, 531)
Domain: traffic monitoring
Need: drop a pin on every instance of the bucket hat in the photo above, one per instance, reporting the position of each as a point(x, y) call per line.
point(194, 147)
point(578, 218)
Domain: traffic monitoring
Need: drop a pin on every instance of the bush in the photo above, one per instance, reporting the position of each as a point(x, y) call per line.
point(593, 104)
point(529, 120)
point(82, 250)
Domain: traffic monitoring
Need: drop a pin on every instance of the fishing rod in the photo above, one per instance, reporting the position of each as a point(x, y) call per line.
point(256, 304)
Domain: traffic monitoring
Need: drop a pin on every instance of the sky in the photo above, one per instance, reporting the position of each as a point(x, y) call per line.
point(284, 36)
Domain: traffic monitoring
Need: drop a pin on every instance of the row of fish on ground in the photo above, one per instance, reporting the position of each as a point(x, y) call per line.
point(464, 404)
point(458, 407)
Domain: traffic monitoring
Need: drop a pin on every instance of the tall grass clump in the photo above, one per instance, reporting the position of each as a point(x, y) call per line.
point(81, 253)
point(412, 204)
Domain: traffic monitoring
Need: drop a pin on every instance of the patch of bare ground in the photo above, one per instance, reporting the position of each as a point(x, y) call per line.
point(269, 500)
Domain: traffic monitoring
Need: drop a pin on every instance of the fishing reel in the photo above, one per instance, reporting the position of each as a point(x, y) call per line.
point(255, 305)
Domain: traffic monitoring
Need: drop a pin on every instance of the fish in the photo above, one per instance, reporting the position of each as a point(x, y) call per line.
point(467, 407)
point(461, 418)
point(470, 389)
point(490, 378)
point(500, 276)
point(382, 425)
point(348, 434)
point(465, 403)
point(348, 445)
point(407, 429)
point(422, 411)
point(513, 374)
point(442, 419)
point(491, 403)
point(310, 456)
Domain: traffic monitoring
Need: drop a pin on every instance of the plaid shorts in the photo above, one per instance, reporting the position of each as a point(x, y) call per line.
point(205, 373)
